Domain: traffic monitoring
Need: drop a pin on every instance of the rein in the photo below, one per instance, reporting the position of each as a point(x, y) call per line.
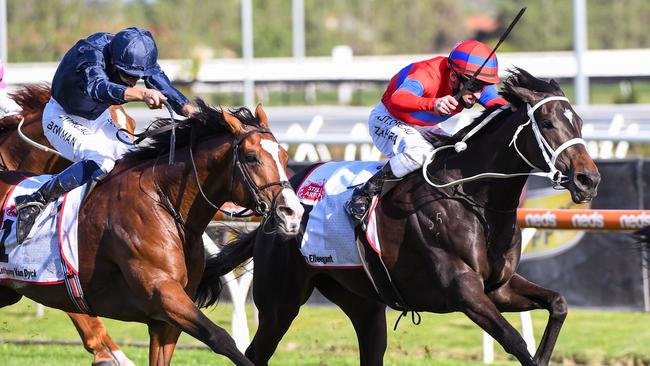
point(556, 177)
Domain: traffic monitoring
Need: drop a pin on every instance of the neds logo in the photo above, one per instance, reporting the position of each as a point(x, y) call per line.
point(634, 221)
point(547, 219)
point(594, 220)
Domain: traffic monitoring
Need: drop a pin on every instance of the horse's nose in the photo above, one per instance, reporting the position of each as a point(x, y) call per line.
point(587, 181)
point(286, 211)
point(291, 216)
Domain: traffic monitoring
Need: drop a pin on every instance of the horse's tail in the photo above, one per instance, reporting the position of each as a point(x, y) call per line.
point(231, 256)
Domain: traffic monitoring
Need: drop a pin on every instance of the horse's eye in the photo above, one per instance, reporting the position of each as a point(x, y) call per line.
point(546, 123)
point(252, 159)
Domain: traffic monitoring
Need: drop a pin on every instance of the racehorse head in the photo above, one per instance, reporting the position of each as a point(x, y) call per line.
point(229, 156)
point(557, 145)
point(260, 167)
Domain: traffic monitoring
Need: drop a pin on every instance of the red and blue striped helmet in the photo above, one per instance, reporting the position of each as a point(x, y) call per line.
point(468, 56)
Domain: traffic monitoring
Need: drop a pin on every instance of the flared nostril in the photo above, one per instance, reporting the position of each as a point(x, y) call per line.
point(286, 211)
point(584, 181)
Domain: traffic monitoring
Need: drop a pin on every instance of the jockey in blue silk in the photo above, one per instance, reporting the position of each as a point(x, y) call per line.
point(97, 72)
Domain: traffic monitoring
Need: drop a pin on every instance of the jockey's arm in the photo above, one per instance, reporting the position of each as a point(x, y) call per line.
point(490, 97)
point(409, 97)
point(100, 88)
point(160, 81)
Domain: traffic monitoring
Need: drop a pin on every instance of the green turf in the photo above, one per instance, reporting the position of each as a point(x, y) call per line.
point(323, 336)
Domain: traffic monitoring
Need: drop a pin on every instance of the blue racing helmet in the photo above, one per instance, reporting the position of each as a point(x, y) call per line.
point(134, 52)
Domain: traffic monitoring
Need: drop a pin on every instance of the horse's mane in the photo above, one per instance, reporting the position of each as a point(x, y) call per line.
point(208, 122)
point(517, 78)
point(32, 97)
point(520, 78)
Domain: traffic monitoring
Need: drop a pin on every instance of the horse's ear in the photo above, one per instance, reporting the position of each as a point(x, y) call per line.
point(261, 116)
point(556, 86)
point(235, 124)
point(526, 95)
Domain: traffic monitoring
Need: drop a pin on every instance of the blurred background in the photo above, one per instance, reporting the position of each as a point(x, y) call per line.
point(320, 66)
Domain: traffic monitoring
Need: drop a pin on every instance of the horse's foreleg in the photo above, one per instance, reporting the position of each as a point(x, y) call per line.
point(162, 343)
point(468, 291)
point(367, 315)
point(171, 303)
point(519, 294)
point(97, 341)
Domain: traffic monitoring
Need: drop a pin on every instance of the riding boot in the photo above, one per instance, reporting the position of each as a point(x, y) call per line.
point(30, 206)
point(359, 204)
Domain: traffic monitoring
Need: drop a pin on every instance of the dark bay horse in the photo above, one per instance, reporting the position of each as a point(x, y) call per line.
point(141, 254)
point(16, 154)
point(447, 249)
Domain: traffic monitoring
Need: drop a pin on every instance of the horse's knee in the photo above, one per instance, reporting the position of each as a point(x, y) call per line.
point(558, 307)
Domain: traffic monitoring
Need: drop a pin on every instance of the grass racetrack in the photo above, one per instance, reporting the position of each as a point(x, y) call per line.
point(323, 336)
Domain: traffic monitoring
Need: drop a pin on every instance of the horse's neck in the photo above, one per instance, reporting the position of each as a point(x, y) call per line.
point(30, 158)
point(178, 186)
point(13, 151)
point(492, 153)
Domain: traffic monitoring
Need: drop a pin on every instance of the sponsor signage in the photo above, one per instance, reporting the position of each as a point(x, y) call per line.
point(583, 219)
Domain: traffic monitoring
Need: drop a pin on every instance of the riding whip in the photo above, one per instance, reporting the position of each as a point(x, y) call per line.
point(460, 93)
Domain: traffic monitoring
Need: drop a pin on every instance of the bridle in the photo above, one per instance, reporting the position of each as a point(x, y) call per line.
point(261, 208)
point(556, 177)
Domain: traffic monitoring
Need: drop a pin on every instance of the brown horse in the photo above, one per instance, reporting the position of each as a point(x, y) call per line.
point(141, 254)
point(16, 154)
point(447, 248)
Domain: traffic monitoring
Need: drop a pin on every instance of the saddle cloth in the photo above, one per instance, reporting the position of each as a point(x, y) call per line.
point(329, 238)
point(50, 250)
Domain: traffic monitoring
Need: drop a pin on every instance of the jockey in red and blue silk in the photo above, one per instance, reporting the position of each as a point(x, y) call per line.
point(422, 95)
point(413, 94)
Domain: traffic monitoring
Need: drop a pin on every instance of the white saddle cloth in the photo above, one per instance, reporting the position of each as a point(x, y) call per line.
point(50, 249)
point(329, 239)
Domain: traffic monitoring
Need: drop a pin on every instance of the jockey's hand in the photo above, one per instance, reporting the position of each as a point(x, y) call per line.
point(445, 105)
point(189, 110)
point(153, 98)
